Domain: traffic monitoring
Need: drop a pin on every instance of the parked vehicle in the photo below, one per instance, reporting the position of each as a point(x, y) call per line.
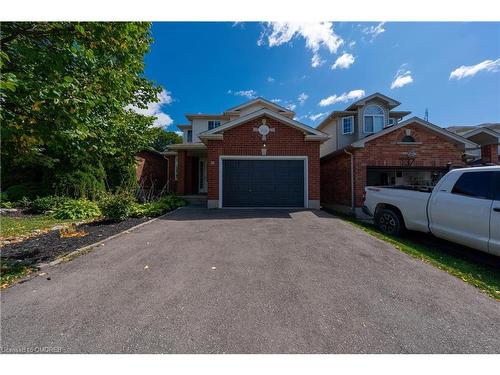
point(463, 207)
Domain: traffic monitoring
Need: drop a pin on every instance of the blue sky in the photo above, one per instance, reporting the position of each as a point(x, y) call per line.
point(453, 69)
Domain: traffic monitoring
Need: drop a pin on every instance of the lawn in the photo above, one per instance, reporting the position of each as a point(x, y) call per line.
point(11, 226)
point(483, 276)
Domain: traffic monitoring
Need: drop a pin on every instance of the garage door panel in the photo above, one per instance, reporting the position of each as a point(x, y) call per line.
point(263, 183)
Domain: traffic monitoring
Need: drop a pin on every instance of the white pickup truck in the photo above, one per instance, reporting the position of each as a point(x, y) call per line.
point(463, 207)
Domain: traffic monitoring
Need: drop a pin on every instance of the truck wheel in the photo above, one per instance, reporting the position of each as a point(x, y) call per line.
point(389, 222)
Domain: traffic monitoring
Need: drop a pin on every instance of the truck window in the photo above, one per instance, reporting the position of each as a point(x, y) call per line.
point(475, 184)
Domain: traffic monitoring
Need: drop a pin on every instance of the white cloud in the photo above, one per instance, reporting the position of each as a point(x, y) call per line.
point(302, 98)
point(178, 132)
point(352, 44)
point(314, 117)
point(276, 100)
point(344, 61)
point(156, 110)
point(270, 79)
point(402, 78)
point(471, 70)
point(250, 94)
point(315, 34)
point(374, 31)
point(291, 106)
point(345, 97)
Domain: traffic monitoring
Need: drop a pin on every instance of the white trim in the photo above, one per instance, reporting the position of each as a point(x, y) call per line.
point(437, 129)
point(239, 157)
point(264, 111)
point(352, 125)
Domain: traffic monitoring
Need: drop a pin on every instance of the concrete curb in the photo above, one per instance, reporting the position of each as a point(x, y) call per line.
point(88, 248)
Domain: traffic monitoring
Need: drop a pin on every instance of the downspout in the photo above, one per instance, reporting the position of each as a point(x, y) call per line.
point(351, 157)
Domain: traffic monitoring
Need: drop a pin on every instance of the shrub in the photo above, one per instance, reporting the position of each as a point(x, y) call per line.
point(77, 209)
point(50, 203)
point(118, 207)
point(16, 193)
point(7, 204)
point(158, 206)
point(24, 203)
point(85, 183)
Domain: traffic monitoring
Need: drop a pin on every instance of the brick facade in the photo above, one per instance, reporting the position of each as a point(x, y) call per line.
point(284, 141)
point(151, 170)
point(432, 150)
point(489, 154)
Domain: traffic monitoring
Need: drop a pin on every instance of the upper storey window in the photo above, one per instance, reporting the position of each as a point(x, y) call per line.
point(190, 136)
point(212, 124)
point(373, 119)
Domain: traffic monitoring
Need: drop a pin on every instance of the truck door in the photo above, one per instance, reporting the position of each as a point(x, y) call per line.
point(494, 244)
point(461, 213)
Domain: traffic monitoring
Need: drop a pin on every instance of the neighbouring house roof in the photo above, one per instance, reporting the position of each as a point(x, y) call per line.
point(461, 129)
point(454, 137)
point(311, 133)
point(188, 146)
point(391, 102)
point(184, 126)
point(259, 100)
point(485, 130)
point(153, 152)
point(192, 116)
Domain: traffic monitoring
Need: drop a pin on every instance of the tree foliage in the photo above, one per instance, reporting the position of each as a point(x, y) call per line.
point(66, 93)
point(162, 139)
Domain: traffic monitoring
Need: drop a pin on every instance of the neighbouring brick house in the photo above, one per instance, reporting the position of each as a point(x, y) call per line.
point(252, 155)
point(152, 171)
point(371, 144)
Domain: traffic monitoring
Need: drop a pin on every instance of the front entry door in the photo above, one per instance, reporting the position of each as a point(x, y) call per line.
point(202, 176)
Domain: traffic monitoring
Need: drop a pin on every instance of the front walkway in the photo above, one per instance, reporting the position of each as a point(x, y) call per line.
point(248, 281)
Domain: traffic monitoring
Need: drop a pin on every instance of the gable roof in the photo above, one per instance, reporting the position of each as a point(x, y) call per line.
point(259, 100)
point(391, 102)
point(311, 133)
point(476, 131)
point(455, 137)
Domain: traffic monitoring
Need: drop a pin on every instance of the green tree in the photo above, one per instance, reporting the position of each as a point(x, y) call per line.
point(66, 92)
point(162, 139)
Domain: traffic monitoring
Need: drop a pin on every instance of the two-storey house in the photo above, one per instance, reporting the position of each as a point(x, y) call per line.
point(252, 155)
point(371, 143)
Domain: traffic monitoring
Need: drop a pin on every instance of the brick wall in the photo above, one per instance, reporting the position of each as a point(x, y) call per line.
point(242, 140)
point(489, 154)
point(151, 170)
point(432, 150)
point(336, 179)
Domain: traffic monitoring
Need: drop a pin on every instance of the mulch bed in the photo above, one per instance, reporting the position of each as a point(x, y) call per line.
point(49, 246)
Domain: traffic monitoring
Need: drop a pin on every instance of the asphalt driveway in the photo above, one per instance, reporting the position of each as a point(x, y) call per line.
point(248, 281)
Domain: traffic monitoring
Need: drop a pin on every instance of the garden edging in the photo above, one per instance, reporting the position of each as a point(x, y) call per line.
point(87, 248)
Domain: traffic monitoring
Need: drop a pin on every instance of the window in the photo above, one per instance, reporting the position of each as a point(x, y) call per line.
point(475, 184)
point(374, 119)
point(347, 125)
point(408, 139)
point(391, 122)
point(190, 136)
point(212, 124)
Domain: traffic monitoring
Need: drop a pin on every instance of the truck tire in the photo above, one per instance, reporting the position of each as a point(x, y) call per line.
point(389, 222)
